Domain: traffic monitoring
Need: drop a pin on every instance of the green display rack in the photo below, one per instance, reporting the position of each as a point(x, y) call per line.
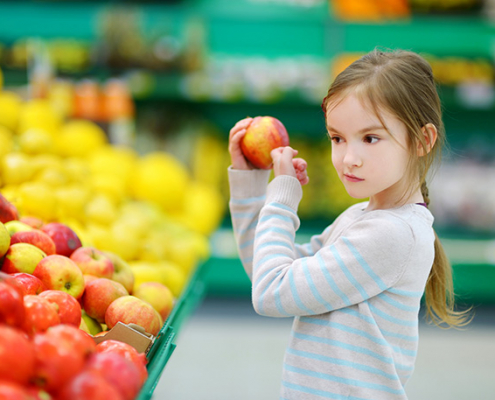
point(164, 344)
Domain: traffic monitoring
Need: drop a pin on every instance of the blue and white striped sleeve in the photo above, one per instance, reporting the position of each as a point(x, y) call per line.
point(248, 194)
point(367, 260)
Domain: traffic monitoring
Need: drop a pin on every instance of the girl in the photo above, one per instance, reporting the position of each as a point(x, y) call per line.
point(355, 289)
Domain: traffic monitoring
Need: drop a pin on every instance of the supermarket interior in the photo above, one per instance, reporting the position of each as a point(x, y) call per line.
point(114, 123)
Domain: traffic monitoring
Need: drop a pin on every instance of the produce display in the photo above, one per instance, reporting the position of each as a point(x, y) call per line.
point(92, 235)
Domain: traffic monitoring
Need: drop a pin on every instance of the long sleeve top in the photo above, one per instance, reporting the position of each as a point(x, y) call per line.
point(354, 290)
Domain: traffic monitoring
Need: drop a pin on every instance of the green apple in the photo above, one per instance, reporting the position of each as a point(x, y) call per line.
point(22, 257)
point(93, 327)
point(4, 240)
point(17, 226)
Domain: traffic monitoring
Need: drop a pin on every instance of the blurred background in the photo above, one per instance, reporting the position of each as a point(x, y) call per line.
point(174, 76)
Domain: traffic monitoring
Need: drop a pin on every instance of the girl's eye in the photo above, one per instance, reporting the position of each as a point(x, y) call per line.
point(336, 139)
point(371, 139)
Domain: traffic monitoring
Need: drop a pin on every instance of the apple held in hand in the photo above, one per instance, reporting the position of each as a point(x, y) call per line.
point(65, 239)
point(37, 238)
point(92, 261)
point(262, 136)
point(60, 273)
point(98, 295)
point(131, 310)
point(28, 283)
point(22, 257)
point(69, 310)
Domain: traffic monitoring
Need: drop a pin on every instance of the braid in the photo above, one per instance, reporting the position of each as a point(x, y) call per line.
point(425, 193)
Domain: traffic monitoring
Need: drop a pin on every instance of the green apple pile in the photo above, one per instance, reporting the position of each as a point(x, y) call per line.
point(44, 354)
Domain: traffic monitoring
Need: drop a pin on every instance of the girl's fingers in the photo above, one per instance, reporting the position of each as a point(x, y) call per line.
point(242, 124)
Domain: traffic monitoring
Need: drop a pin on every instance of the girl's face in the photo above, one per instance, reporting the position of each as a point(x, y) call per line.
point(369, 161)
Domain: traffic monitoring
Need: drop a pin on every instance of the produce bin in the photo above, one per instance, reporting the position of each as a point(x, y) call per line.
point(164, 344)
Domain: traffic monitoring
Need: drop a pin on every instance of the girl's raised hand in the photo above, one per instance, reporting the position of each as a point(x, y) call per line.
point(235, 137)
point(284, 163)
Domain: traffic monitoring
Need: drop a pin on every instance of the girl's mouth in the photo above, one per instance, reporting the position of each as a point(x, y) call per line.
point(352, 178)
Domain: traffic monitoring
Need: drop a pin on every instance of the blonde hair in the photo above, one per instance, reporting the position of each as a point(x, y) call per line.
point(401, 82)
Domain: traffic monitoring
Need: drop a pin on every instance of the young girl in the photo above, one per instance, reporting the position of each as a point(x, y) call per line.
point(355, 289)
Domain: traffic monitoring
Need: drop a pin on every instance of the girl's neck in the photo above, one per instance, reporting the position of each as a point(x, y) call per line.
point(383, 202)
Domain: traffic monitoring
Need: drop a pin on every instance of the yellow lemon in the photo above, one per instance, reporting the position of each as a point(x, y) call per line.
point(112, 186)
point(79, 138)
point(77, 169)
point(6, 141)
point(182, 251)
point(44, 161)
point(123, 242)
point(10, 109)
point(101, 209)
point(173, 277)
point(154, 246)
point(35, 141)
point(39, 113)
point(16, 168)
point(114, 160)
point(72, 200)
point(98, 234)
point(39, 200)
point(203, 208)
point(160, 178)
point(144, 272)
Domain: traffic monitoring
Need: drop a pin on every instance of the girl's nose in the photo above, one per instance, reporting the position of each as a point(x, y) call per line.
point(351, 157)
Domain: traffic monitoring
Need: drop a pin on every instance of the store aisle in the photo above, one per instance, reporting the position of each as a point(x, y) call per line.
point(227, 352)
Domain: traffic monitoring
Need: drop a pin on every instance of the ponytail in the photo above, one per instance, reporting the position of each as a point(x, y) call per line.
point(439, 292)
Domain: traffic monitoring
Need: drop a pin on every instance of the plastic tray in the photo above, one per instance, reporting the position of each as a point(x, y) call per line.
point(164, 345)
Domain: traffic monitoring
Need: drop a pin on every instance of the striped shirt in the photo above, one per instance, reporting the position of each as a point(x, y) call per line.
point(354, 290)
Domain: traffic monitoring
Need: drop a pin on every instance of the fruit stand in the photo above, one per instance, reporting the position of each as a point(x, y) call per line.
point(118, 132)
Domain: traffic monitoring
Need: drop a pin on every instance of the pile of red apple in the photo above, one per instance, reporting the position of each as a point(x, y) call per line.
point(51, 287)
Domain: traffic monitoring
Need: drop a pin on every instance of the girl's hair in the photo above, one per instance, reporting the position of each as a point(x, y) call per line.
point(401, 82)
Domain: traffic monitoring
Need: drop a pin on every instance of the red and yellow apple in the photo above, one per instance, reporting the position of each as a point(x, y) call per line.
point(58, 272)
point(8, 212)
point(15, 225)
point(37, 238)
point(66, 240)
point(40, 314)
point(98, 295)
point(158, 295)
point(69, 310)
point(32, 221)
point(262, 136)
point(22, 257)
point(11, 305)
point(4, 240)
point(16, 356)
point(131, 310)
point(92, 261)
point(123, 272)
point(28, 283)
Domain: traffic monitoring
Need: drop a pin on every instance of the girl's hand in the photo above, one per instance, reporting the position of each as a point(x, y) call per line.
point(235, 137)
point(284, 163)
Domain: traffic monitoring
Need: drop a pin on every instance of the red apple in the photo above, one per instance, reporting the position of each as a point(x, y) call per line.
point(33, 222)
point(123, 272)
point(99, 294)
point(60, 273)
point(57, 361)
point(16, 355)
point(13, 391)
point(129, 352)
point(262, 136)
point(158, 295)
point(66, 240)
point(40, 314)
point(22, 257)
point(88, 385)
point(28, 283)
point(8, 211)
point(81, 342)
point(37, 238)
point(4, 240)
point(69, 310)
point(117, 370)
point(11, 305)
point(92, 261)
point(37, 393)
point(130, 309)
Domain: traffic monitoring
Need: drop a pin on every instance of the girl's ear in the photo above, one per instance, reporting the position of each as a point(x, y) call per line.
point(430, 134)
